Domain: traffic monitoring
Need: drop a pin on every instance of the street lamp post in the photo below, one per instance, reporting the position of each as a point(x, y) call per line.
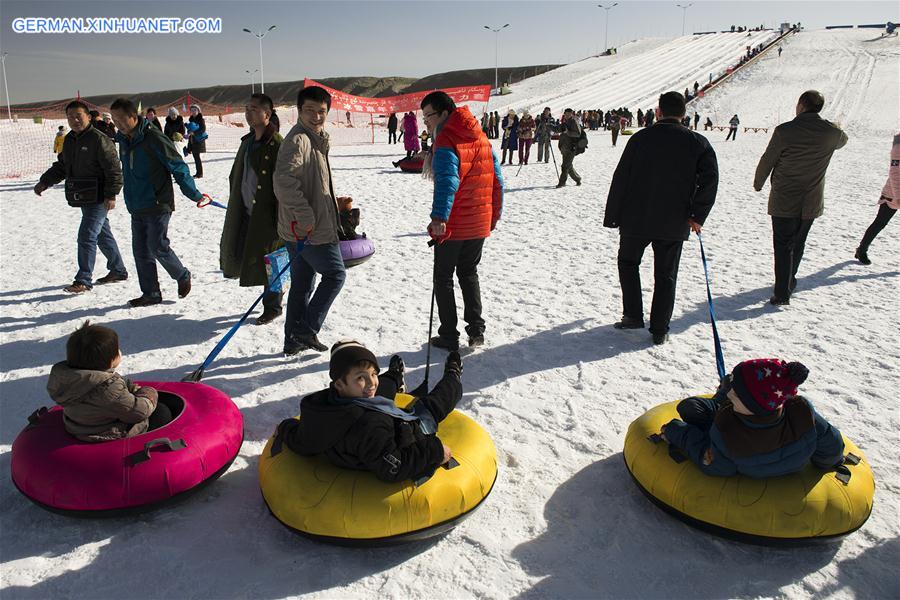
point(251, 73)
point(496, 53)
point(260, 35)
point(606, 26)
point(684, 8)
point(6, 85)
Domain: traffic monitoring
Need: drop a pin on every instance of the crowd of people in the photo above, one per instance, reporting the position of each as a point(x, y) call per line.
point(282, 194)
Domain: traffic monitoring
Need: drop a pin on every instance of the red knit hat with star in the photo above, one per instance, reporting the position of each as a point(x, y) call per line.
point(765, 384)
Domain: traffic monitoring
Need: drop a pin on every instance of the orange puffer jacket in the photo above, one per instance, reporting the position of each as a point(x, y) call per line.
point(468, 186)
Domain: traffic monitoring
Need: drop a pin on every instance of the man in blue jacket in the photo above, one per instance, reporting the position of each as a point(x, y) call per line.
point(756, 425)
point(149, 161)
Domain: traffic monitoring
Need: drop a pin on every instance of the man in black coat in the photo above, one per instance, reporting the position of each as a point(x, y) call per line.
point(90, 165)
point(663, 188)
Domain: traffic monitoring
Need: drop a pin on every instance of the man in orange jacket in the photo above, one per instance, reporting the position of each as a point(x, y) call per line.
point(468, 199)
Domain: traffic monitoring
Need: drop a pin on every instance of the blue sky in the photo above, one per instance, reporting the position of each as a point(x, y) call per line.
point(325, 39)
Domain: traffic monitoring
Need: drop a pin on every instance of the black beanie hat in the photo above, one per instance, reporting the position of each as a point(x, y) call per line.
point(345, 354)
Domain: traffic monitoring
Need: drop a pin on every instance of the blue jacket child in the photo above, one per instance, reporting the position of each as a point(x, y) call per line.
point(756, 425)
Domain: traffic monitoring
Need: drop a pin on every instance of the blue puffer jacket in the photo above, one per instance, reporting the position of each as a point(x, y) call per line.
point(149, 161)
point(822, 444)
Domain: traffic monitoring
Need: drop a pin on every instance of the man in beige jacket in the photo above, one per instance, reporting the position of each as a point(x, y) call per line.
point(308, 212)
point(797, 158)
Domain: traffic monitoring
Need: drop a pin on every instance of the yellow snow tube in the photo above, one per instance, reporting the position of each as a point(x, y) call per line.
point(317, 499)
point(805, 507)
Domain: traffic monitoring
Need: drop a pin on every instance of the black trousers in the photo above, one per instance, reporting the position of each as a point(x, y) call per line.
point(789, 241)
point(161, 415)
point(440, 401)
point(272, 301)
point(732, 134)
point(885, 213)
point(567, 169)
point(463, 257)
point(392, 136)
point(666, 258)
point(615, 136)
point(197, 162)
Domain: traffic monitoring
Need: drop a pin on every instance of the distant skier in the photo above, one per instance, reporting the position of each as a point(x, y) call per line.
point(779, 51)
point(889, 203)
point(58, 140)
point(526, 136)
point(615, 125)
point(732, 128)
point(708, 124)
point(568, 146)
point(197, 139)
point(696, 120)
point(174, 129)
point(543, 134)
point(392, 128)
point(410, 134)
point(510, 143)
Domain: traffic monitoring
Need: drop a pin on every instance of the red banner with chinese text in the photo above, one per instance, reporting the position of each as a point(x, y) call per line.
point(402, 103)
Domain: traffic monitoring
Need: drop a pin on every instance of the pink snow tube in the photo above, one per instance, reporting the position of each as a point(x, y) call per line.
point(63, 474)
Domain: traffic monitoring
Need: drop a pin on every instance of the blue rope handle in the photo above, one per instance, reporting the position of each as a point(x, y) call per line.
point(227, 337)
point(720, 358)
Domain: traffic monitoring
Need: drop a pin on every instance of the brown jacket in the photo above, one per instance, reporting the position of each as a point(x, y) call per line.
point(302, 183)
point(100, 405)
point(797, 157)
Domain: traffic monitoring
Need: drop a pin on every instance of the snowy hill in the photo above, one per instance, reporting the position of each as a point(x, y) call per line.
point(555, 385)
point(635, 77)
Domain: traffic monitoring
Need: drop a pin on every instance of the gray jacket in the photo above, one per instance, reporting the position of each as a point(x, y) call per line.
point(100, 405)
point(302, 183)
point(797, 158)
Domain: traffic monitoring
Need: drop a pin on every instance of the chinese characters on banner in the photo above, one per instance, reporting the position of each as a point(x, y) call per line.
point(403, 103)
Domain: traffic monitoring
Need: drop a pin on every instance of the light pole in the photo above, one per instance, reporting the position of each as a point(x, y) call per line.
point(251, 73)
point(606, 27)
point(260, 36)
point(684, 8)
point(496, 53)
point(6, 85)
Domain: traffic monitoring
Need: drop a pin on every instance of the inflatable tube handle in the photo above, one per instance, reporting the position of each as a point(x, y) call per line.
point(36, 416)
point(144, 455)
point(450, 464)
point(842, 474)
point(851, 459)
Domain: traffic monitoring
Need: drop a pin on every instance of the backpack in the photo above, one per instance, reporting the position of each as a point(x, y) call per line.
point(581, 143)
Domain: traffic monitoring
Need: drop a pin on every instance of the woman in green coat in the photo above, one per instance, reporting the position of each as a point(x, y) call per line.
point(250, 230)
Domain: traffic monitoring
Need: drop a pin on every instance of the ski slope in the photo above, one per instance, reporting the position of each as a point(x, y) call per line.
point(636, 77)
point(555, 385)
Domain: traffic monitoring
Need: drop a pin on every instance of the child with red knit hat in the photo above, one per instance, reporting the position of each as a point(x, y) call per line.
point(756, 424)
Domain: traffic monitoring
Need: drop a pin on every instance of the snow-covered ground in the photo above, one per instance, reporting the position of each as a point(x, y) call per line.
point(556, 385)
point(633, 78)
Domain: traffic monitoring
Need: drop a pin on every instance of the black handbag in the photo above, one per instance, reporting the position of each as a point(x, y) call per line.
point(84, 191)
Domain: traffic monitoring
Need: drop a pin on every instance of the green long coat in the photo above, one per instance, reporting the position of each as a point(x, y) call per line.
point(244, 257)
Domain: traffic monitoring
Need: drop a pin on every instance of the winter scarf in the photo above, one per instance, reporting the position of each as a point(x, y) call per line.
point(376, 403)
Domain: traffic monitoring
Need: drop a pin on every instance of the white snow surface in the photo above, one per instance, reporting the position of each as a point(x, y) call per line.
point(635, 77)
point(556, 385)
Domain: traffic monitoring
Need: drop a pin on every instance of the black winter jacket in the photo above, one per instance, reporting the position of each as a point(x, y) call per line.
point(174, 126)
point(667, 174)
point(88, 154)
point(353, 437)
